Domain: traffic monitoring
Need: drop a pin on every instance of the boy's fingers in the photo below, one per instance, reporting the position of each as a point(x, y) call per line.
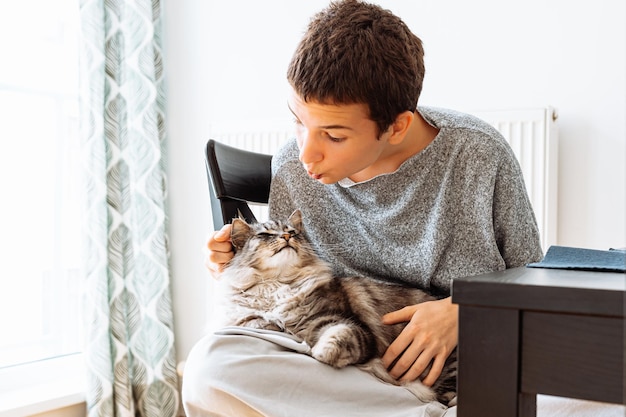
point(223, 234)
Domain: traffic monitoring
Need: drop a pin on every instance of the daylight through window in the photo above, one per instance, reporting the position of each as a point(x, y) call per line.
point(40, 294)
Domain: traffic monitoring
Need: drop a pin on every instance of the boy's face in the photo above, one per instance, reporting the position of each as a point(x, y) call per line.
point(337, 141)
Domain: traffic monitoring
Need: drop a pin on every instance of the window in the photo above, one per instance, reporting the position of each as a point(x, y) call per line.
point(40, 219)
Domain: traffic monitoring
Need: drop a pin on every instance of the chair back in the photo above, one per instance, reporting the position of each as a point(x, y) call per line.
point(236, 178)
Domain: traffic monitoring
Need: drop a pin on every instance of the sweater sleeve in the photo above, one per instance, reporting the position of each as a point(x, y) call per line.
point(514, 223)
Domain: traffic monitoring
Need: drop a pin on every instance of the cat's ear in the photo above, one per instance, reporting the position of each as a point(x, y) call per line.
point(240, 232)
point(296, 219)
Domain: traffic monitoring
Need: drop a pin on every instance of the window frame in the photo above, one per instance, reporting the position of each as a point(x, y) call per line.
point(43, 387)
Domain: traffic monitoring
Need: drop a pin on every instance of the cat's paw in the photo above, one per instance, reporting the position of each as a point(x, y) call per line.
point(335, 347)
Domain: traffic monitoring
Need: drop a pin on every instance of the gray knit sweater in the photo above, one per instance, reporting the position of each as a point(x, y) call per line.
point(457, 208)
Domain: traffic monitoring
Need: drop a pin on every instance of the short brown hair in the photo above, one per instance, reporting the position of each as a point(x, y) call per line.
point(355, 52)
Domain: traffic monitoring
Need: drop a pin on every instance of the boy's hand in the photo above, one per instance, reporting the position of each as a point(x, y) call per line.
point(429, 337)
point(219, 250)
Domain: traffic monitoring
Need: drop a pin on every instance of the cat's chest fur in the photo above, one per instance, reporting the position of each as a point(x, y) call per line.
point(269, 296)
point(272, 301)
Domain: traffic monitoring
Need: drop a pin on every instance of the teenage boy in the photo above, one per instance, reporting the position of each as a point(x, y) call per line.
point(387, 189)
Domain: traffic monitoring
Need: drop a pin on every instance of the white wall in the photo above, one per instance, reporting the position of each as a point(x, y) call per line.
point(226, 60)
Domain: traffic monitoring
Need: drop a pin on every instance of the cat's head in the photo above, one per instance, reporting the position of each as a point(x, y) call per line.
point(271, 245)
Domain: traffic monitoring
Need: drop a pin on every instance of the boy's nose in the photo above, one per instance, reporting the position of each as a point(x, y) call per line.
point(309, 153)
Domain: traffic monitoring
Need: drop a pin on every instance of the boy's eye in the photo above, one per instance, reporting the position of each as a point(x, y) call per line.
point(333, 138)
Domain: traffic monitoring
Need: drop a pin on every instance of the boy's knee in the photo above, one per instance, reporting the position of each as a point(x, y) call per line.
point(204, 375)
point(213, 372)
point(206, 364)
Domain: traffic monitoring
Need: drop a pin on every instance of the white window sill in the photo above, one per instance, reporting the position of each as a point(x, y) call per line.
point(45, 388)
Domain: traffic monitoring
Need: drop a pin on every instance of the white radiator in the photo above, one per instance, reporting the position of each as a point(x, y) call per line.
point(532, 133)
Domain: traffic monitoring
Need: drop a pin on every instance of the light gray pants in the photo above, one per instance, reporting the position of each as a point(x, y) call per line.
point(241, 372)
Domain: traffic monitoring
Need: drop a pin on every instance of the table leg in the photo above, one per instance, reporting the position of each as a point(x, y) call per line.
point(488, 376)
point(527, 405)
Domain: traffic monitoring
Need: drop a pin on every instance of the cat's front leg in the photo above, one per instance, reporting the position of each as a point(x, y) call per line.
point(340, 345)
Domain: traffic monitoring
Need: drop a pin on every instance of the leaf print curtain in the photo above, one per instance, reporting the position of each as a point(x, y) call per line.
point(130, 348)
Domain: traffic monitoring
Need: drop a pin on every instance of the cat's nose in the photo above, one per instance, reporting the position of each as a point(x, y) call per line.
point(286, 236)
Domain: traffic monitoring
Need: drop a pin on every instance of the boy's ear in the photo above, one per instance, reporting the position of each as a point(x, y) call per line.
point(400, 127)
point(240, 232)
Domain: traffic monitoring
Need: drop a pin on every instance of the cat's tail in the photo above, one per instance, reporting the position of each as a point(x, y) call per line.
point(421, 391)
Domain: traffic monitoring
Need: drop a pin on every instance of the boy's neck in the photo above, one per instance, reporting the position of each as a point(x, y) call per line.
point(419, 136)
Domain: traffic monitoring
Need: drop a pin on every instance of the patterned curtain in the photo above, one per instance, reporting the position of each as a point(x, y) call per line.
point(130, 340)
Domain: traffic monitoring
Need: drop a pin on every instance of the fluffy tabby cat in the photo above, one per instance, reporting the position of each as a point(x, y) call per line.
point(277, 282)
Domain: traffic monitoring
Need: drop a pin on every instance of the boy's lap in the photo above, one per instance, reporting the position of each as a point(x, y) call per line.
point(266, 368)
point(269, 372)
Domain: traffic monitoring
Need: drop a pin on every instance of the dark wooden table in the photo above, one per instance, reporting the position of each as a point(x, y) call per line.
point(529, 331)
